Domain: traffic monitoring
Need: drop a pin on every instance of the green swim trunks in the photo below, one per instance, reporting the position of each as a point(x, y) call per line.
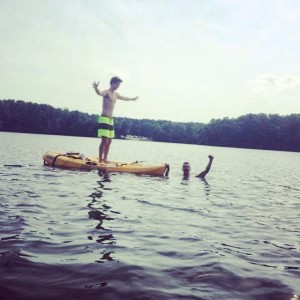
point(106, 127)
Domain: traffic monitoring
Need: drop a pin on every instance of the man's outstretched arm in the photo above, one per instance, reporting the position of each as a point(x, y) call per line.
point(126, 98)
point(203, 173)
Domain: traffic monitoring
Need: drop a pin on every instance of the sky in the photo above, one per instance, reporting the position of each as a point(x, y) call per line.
point(186, 60)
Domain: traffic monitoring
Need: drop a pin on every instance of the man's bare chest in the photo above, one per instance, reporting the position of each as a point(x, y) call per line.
point(112, 97)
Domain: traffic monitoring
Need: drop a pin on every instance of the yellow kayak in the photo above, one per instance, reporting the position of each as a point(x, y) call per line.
point(73, 160)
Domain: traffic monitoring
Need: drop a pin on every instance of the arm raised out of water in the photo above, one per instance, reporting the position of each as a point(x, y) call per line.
point(205, 172)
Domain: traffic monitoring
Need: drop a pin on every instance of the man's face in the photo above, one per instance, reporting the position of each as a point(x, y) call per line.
point(115, 85)
point(186, 168)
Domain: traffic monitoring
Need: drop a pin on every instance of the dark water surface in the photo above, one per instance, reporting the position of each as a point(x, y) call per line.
point(74, 235)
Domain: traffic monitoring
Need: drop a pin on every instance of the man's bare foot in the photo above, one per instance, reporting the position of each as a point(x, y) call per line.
point(102, 162)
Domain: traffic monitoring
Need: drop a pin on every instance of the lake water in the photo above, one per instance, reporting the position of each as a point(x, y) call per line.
point(73, 235)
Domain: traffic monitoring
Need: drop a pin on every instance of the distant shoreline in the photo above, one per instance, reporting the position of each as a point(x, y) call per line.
point(135, 138)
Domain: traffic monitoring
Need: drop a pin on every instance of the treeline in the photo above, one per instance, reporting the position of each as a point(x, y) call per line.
point(261, 131)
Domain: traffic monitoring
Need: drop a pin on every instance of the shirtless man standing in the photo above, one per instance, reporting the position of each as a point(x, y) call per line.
point(106, 123)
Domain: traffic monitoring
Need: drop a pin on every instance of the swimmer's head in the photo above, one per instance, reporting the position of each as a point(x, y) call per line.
point(186, 168)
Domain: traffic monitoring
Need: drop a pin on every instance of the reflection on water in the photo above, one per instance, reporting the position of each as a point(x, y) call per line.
point(206, 186)
point(101, 212)
point(186, 181)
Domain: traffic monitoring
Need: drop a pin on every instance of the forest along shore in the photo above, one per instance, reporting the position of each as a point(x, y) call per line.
point(254, 131)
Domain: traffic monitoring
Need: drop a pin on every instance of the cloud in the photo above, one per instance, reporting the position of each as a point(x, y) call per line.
point(267, 84)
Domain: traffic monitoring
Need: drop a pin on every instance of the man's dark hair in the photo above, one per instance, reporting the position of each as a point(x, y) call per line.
point(115, 80)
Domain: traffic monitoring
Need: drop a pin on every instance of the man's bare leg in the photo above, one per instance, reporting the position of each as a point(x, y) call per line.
point(102, 149)
point(203, 173)
point(106, 149)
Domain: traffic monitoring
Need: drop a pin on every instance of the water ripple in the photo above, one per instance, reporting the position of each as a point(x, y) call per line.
point(233, 236)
